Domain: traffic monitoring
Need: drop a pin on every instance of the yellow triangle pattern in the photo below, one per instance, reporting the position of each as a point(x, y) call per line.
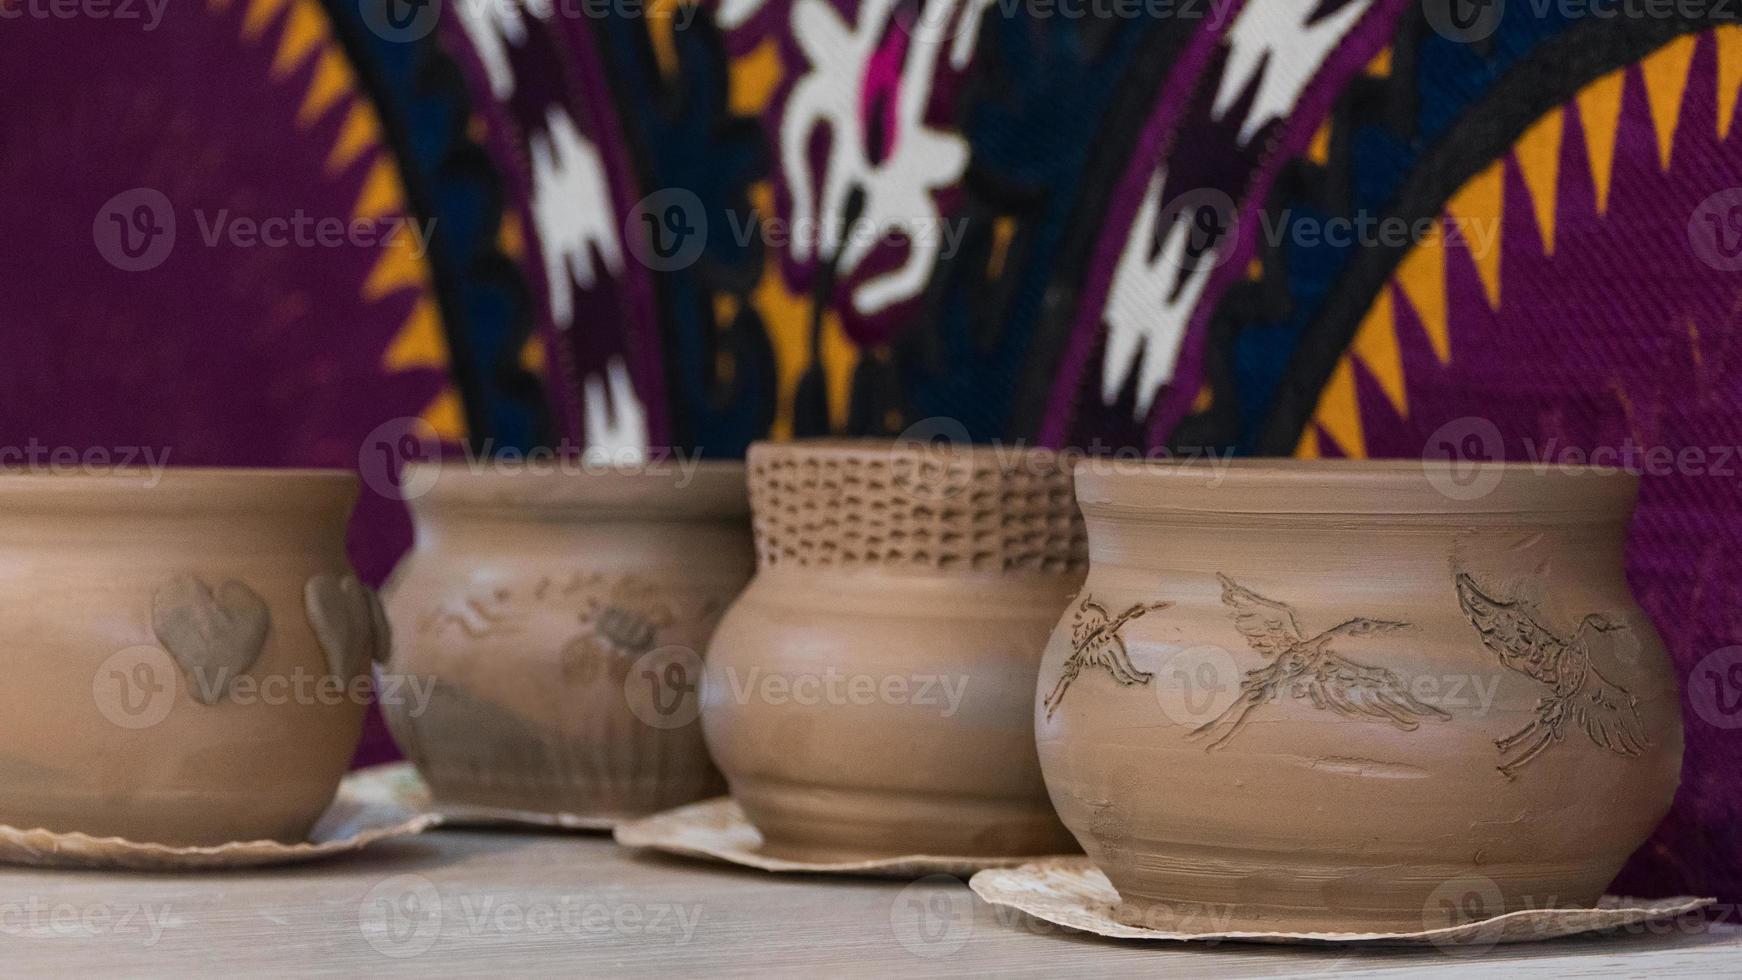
point(534, 355)
point(662, 32)
point(1422, 277)
point(1476, 209)
point(332, 80)
point(1376, 347)
point(1729, 41)
point(1538, 153)
point(1380, 66)
point(787, 317)
point(303, 32)
point(1600, 117)
point(1476, 205)
point(381, 195)
point(1666, 81)
point(446, 415)
point(754, 77)
point(399, 267)
point(511, 236)
point(419, 343)
point(1339, 411)
point(360, 132)
point(259, 14)
point(1319, 150)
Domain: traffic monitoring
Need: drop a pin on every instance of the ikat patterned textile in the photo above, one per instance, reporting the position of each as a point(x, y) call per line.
point(1309, 227)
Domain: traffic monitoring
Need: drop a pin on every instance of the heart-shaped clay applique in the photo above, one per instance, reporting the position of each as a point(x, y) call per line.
point(215, 636)
point(348, 620)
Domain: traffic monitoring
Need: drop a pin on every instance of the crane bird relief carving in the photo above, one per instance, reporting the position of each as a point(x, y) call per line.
point(1304, 667)
point(1579, 693)
point(1096, 642)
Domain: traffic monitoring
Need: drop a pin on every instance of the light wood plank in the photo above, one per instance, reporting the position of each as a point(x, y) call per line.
point(502, 898)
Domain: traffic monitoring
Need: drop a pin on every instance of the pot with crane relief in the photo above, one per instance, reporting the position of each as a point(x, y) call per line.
point(1328, 696)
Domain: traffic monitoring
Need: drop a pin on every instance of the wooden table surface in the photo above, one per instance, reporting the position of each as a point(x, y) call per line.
point(508, 905)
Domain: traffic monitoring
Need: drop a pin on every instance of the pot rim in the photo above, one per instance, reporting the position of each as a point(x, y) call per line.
point(953, 508)
point(708, 489)
point(1332, 489)
point(175, 489)
point(873, 448)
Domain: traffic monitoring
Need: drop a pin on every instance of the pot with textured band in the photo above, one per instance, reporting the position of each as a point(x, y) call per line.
point(1356, 696)
point(189, 653)
point(869, 694)
point(552, 624)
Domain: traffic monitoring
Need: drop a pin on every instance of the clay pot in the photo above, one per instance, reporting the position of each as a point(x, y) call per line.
point(869, 694)
point(188, 653)
point(556, 620)
point(1353, 696)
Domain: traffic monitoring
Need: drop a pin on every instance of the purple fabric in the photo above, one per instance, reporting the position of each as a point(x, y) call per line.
point(1622, 337)
point(224, 353)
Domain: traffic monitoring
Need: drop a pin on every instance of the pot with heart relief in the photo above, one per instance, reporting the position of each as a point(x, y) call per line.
point(556, 619)
point(189, 653)
point(868, 696)
point(1355, 696)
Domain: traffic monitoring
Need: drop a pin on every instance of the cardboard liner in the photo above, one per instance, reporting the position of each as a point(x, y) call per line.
point(368, 808)
point(411, 790)
point(717, 830)
point(1073, 893)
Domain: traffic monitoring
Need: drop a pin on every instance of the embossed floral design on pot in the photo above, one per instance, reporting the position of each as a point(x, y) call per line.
point(166, 687)
point(558, 621)
point(1363, 690)
point(870, 694)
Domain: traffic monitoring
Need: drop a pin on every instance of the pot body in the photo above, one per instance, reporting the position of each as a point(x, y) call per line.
point(875, 714)
point(869, 695)
point(550, 632)
point(171, 681)
point(1354, 704)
